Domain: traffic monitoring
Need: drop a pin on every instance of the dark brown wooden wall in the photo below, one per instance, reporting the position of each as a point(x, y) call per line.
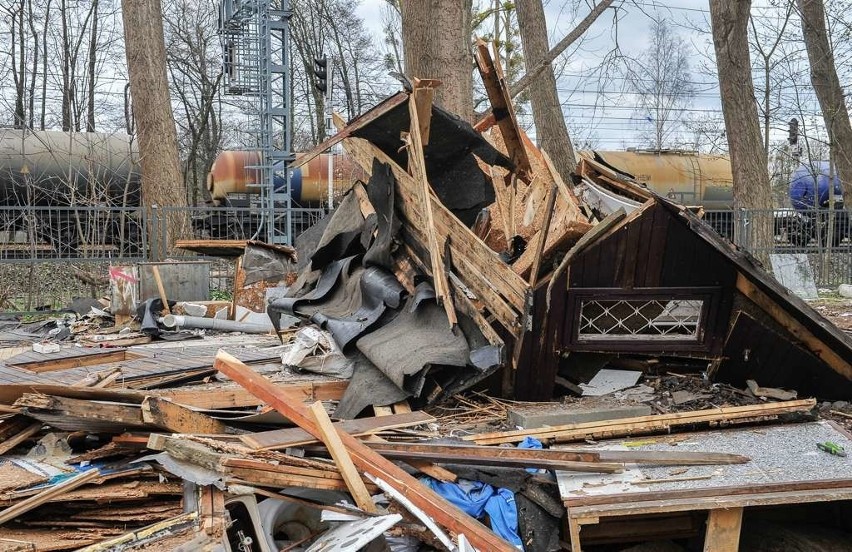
point(654, 250)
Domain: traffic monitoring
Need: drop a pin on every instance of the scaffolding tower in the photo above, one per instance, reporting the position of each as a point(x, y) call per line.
point(256, 46)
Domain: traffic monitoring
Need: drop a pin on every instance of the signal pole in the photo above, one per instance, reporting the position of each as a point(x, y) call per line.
point(325, 84)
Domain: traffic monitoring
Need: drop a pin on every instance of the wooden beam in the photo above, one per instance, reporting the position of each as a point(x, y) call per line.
point(423, 95)
point(341, 457)
point(723, 530)
point(810, 342)
point(643, 424)
point(447, 453)
point(417, 167)
point(503, 109)
point(25, 433)
point(178, 419)
point(366, 460)
point(236, 397)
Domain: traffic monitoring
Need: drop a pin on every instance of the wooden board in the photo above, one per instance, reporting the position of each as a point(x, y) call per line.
point(341, 457)
point(296, 436)
point(643, 424)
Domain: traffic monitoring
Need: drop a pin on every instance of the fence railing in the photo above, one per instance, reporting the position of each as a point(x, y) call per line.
point(128, 234)
point(823, 236)
point(37, 233)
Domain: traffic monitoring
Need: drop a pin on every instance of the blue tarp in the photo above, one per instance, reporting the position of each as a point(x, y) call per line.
point(476, 498)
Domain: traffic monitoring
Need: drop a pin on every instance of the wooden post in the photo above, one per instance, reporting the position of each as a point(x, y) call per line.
point(366, 459)
point(723, 530)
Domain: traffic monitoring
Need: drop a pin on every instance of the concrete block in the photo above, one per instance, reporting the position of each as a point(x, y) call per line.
point(534, 417)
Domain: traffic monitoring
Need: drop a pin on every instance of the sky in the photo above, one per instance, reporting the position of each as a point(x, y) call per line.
point(598, 108)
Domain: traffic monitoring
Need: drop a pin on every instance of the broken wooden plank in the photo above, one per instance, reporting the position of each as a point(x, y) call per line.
point(368, 461)
point(75, 414)
point(22, 435)
point(643, 424)
point(296, 436)
point(48, 494)
point(502, 108)
point(341, 457)
point(235, 397)
point(417, 167)
point(72, 361)
point(346, 130)
point(178, 419)
point(171, 524)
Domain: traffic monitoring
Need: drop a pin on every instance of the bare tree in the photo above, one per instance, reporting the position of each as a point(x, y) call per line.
point(767, 35)
point(662, 81)
point(162, 181)
point(551, 131)
point(729, 21)
point(193, 54)
point(828, 91)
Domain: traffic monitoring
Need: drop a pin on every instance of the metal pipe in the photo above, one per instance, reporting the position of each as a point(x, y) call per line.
point(199, 322)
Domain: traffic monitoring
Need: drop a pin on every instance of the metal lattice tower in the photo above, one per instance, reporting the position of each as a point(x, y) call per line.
point(256, 42)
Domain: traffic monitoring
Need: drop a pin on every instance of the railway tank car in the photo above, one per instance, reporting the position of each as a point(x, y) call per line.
point(64, 168)
point(234, 174)
point(54, 186)
point(687, 177)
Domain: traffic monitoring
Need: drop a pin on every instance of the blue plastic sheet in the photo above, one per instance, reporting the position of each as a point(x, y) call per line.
point(476, 499)
point(531, 443)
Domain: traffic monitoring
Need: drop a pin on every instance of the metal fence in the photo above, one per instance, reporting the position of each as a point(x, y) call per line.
point(822, 236)
point(40, 234)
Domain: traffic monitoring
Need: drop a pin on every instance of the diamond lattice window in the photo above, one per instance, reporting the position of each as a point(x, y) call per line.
point(654, 319)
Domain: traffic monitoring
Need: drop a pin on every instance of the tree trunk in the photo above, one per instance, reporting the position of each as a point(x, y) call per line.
point(162, 182)
point(828, 91)
point(551, 132)
point(729, 20)
point(436, 44)
point(93, 74)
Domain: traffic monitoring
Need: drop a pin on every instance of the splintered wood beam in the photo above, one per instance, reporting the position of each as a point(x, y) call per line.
point(569, 196)
point(341, 457)
point(178, 419)
point(502, 109)
point(366, 459)
point(811, 342)
point(423, 94)
point(417, 166)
